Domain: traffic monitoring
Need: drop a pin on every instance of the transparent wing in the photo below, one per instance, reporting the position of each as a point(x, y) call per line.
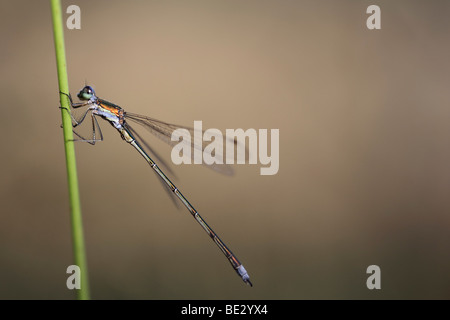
point(161, 163)
point(189, 137)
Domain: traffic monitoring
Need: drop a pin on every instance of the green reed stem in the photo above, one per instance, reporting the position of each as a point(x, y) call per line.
point(74, 196)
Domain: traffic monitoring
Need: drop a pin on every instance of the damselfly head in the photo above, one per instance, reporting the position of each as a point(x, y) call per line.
point(86, 93)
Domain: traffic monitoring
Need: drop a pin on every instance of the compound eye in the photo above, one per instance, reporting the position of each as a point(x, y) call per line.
point(86, 93)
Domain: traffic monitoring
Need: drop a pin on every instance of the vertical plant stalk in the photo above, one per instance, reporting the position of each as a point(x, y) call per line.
point(74, 196)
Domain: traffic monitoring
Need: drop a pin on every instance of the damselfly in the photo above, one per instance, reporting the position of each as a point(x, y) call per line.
point(119, 118)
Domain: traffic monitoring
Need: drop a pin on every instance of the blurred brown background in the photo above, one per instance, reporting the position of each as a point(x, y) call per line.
point(364, 149)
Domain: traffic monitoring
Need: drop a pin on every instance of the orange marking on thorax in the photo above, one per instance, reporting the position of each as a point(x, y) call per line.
point(114, 110)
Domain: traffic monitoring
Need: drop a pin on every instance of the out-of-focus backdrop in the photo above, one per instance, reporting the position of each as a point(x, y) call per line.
point(364, 172)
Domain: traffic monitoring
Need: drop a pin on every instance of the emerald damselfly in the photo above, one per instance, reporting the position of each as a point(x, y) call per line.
point(120, 119)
